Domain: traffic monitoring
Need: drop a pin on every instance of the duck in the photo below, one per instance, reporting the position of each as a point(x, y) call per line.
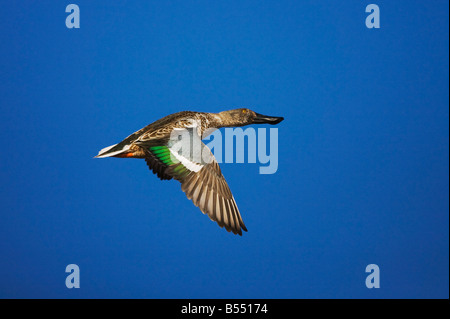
point(200, 176)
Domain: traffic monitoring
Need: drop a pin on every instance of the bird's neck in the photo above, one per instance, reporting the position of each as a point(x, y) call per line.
point(224, 119)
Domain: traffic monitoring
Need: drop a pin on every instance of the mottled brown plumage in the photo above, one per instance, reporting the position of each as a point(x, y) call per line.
point(201, 180)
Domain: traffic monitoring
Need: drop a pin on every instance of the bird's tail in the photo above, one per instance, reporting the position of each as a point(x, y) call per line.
point(116, 150)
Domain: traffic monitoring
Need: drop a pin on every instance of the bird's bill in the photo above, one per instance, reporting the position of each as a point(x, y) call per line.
point(265, 119)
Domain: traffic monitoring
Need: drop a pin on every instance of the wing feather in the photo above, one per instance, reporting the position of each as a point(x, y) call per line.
point(203, 183)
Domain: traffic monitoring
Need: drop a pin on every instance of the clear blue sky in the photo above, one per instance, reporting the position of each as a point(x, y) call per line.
point(363, 152)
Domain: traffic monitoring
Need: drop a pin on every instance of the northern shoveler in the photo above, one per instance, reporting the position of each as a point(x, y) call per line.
point(201, 180)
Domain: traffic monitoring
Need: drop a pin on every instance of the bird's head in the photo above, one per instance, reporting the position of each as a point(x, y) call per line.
point(244, 116)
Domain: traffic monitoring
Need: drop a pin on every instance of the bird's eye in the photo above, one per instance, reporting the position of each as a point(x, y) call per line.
point(244, 111)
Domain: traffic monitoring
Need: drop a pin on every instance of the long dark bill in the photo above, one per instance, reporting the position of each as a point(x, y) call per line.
point(265, 119)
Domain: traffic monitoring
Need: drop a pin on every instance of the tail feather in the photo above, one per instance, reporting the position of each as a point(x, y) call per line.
point(112, 150)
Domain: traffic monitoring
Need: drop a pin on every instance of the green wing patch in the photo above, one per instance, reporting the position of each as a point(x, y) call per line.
point(174, 167)
point(163, 154)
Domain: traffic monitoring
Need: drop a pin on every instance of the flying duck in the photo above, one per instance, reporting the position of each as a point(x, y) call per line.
point(200, 176)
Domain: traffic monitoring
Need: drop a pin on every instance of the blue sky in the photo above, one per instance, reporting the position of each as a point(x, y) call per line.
point(363, 174)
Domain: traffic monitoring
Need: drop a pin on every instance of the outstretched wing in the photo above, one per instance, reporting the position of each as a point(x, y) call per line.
point(202, 182)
